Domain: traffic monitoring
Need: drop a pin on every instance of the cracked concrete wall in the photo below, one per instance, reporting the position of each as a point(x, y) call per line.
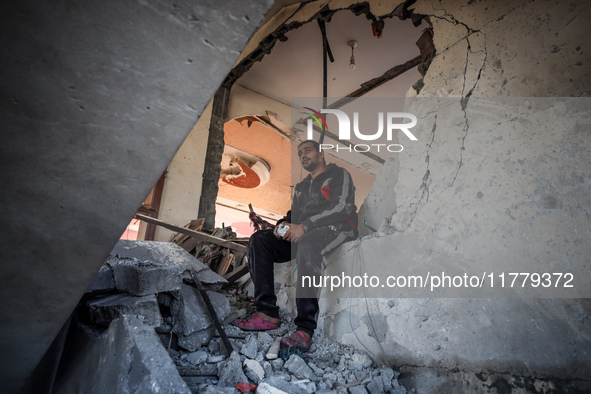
point(499, 188)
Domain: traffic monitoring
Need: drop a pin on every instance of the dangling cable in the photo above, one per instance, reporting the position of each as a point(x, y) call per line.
point(357, 254)
point(325, 52)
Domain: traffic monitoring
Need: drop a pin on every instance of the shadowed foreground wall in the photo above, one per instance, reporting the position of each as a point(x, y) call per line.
point(95, 98)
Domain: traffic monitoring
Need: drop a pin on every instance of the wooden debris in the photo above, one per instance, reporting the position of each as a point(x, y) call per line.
point(233, 276)
point(195, 234)
point(223, 268)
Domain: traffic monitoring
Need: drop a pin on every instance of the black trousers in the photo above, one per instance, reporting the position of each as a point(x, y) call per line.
point(264, 249)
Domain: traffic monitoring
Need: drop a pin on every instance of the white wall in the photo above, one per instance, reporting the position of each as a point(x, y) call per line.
point(488, 186)
point(182, 186)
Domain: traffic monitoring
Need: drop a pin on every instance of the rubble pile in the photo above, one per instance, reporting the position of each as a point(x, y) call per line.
point(151, 282)
point(327, 368)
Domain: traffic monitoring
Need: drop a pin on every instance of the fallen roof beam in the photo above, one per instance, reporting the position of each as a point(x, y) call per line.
point(195, 234)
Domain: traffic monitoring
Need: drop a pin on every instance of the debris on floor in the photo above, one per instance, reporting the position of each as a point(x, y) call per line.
point(327, 368)
point(151, 282)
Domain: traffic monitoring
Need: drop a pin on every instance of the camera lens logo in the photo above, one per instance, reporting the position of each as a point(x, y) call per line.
point(316, 117)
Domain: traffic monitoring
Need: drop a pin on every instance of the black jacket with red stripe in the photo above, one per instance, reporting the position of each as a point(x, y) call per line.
point(327, 200)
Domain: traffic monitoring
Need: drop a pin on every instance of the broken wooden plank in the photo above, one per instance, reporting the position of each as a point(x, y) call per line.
point(241, 239)
point(223, 268)
point(233, 276)
point(196, 224)
point(194, 234)
point(190, 244)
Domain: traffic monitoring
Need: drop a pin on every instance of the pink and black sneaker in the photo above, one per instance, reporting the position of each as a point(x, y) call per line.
point(254, 323)
point(298, 340)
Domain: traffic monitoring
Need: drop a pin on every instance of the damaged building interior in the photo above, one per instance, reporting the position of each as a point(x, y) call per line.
point(137, 133)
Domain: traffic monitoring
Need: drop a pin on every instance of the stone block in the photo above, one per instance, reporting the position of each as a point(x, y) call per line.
point(277, 364)
point(250, 347)
point(305, 384)
point(360, 361)
point(198, 357)
point(209, 279)
point(102, 311)
point(195, 340)
point(298, 367)
point(278, 385)
point(254, 370)
point(231, 373)
point(147, 267)
point(219, 390)
point(360, 389)
point(144, 277)
point(267, 367)
point(190, 318)
point(375, 386)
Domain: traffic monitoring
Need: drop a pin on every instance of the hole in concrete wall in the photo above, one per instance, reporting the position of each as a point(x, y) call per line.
point(386, 57)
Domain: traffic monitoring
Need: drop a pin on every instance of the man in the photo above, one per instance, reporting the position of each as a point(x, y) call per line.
point(323, 215)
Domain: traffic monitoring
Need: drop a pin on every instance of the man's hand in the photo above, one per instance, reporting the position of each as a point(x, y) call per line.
point(277, 235)
point(295, 233)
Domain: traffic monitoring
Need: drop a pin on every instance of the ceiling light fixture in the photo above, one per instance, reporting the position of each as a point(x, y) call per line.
point(353, 45)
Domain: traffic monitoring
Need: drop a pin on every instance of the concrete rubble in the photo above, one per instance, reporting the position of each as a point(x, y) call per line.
point(147, 285)
point(328, 368)
point(143, 289)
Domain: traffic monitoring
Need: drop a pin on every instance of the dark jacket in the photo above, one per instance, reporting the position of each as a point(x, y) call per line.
point(327, 200)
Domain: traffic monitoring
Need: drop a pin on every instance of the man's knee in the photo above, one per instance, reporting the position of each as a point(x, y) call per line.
point(260, 237)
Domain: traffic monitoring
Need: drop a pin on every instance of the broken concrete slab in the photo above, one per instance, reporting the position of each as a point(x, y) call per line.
point(359, 361)
point(190, 318)
point(254, 370)
point(250, 347)
point(197, 357)
point(360, 389)
point(278, 385)
point(219, 390)
point(146, 267)
point(127, 358)
point(231, 373)
point(104, 310)
point(298, 367)
point(209, 279)
point(157, 252)
point(144, 277)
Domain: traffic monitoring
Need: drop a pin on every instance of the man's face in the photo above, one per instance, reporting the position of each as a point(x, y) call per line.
point(309, 157)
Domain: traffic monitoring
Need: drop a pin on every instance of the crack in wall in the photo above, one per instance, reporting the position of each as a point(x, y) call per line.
point(451, 19)
point(464, 102)
point(424, 188)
